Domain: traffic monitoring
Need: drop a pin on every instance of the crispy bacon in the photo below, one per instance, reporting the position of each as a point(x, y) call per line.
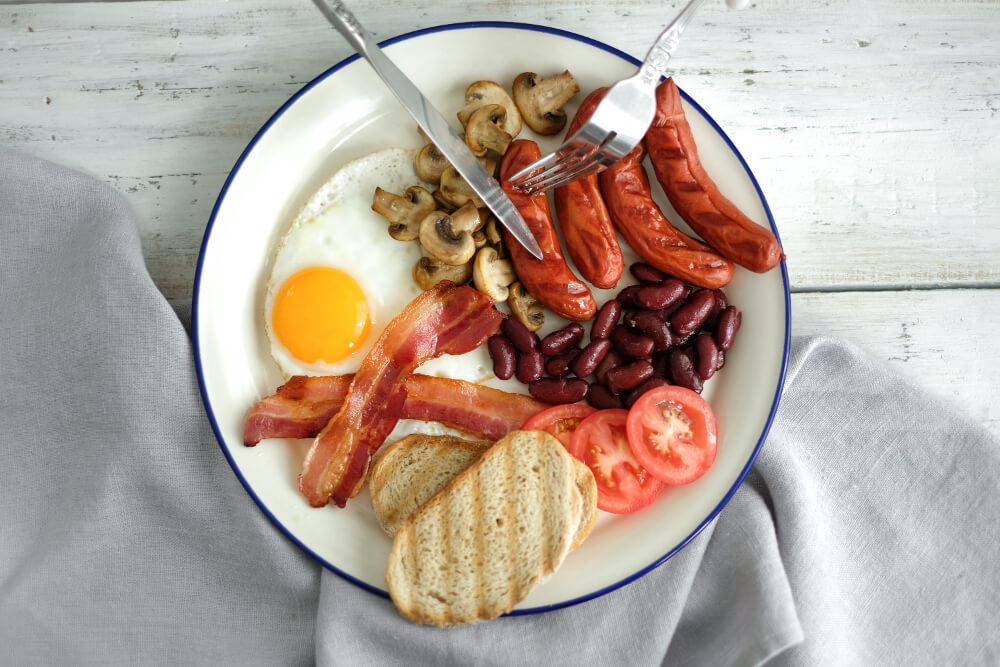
point(444, 320)
point(302, 407)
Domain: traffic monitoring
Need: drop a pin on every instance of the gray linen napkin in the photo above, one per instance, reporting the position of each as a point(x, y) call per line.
point(867, 533)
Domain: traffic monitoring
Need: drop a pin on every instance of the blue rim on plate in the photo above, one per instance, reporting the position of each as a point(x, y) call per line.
point(322, 77)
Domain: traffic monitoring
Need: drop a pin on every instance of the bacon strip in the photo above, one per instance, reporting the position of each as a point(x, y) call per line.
point(302, 407)
point(444, 320)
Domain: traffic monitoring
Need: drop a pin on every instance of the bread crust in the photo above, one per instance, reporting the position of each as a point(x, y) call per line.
point(497, 530)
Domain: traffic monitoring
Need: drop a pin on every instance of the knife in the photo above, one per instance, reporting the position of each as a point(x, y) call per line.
point(433, 123)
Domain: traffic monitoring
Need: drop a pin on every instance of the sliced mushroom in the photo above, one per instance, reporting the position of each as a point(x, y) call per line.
point(493, 231)
point(479, 236)
point(454, 189)
point(540, 100)
point(428, 272)
point(485, 130)
point(492, 275)
point(429, 164)
point(482, 93)
point(441, 239)
point(525, 307)
point(467, 218)
point(404, 212)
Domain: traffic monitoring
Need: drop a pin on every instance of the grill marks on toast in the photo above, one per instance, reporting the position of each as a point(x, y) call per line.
point(478, 547)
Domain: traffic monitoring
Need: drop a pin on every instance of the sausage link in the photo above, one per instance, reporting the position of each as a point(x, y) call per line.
point(549, 279)
point(503, 355)
point(640, 221)
point(583, 217)
point(694, 195)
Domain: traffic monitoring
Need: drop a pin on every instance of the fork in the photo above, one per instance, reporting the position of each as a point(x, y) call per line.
point(617, 125)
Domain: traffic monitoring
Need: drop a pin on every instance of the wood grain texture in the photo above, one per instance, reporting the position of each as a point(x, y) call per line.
point(872, 126)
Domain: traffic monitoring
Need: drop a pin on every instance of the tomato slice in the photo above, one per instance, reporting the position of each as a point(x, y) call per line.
point(559, 420)
point(623, 485)
point(673, 434)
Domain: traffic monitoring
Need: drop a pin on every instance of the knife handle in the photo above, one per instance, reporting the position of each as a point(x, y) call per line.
point(347, 25)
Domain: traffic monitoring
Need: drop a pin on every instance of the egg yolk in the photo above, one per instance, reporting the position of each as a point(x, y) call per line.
point(320, 314)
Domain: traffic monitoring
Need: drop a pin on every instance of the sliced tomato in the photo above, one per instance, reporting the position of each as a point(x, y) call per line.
point(623, 485)
point(559, 420)
point(673, 434)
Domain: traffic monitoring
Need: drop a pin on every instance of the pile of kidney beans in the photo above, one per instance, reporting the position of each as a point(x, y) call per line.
point(658, 332)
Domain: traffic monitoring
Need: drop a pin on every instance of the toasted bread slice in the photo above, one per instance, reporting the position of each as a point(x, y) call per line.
point(588, 491)
point(412, 470)
point(477, 548)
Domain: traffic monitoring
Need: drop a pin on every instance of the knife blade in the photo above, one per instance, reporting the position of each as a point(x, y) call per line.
point(433, 123)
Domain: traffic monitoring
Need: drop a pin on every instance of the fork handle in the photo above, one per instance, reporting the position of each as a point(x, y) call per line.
point(655, 64)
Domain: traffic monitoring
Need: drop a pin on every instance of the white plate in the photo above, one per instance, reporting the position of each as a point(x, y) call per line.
point(346, 113)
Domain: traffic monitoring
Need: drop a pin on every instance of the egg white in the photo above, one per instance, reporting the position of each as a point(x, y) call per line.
point(338, 228)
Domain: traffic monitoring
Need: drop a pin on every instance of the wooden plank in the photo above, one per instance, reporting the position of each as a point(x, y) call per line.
point(943, 340)
point(871, 125)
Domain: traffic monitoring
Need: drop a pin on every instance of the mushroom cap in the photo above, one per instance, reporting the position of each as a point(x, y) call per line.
point(456, 191)
point(428, 272)
point(485, 130)
point(429, 164)
point(540, 100)
point(404, 212)
point(492, 275)
point(525, 307)
point(439, 237)
point(480, 93)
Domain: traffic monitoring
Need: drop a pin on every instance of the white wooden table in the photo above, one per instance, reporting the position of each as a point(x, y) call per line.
point(872, 126)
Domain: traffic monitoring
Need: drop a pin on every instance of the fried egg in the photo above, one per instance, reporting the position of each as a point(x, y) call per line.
point(338, 278)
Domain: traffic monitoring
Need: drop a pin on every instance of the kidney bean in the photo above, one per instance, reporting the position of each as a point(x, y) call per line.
point(610, 360)
point(590, 357)
point(503, 355)
point(605, 320)
point(530, 366)
point(561, 364)
point(627, 297)
point(706, 356)
point(690, 316)
point(524, 339)
point(649, 324)
point(682, 370)
point(721, 361)
point(602, 399)
point(559, 390)
point(562, 340)
point(630, 344)
point(623, 378)
point(720, 304)
point(651, 383)
point(661, 366)
point(646, 273)
point(655, 297)
point(729, 323)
